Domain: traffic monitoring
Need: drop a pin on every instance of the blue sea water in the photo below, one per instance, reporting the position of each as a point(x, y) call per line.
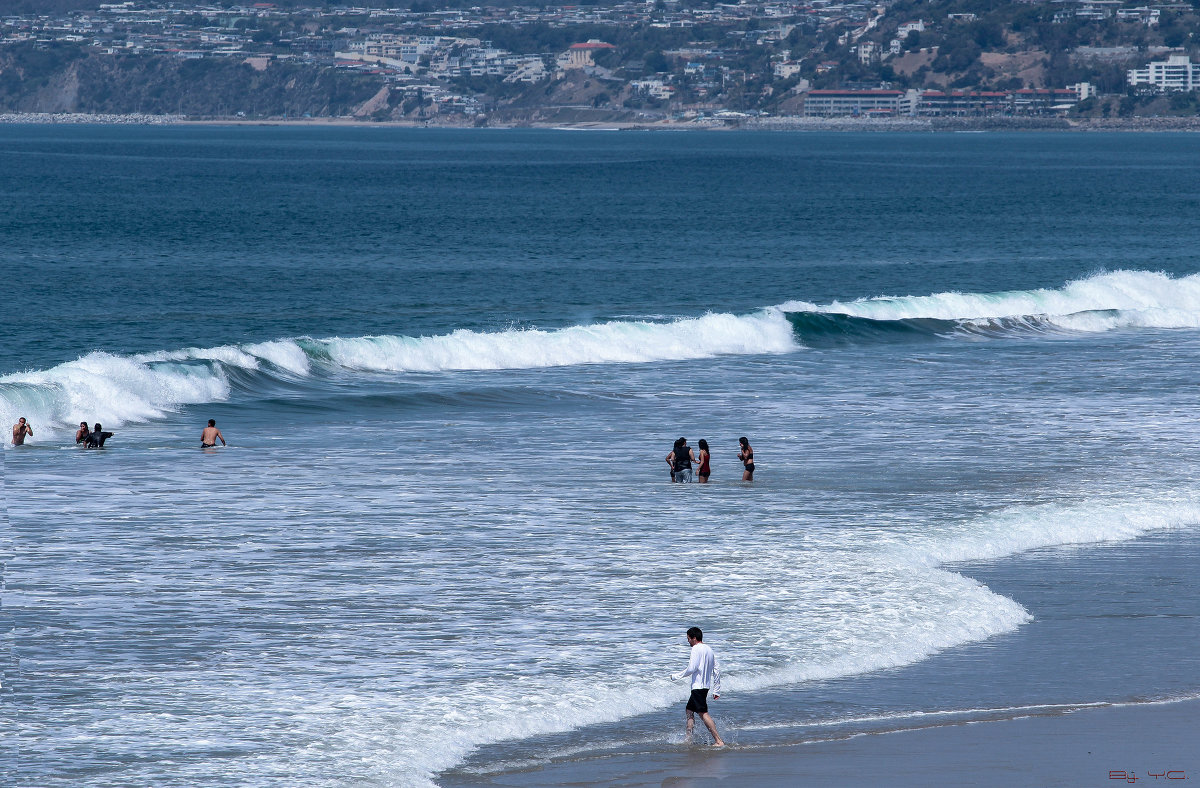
point(449, 365)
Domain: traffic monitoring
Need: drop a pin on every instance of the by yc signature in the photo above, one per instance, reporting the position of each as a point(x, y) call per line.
point(1133, 777)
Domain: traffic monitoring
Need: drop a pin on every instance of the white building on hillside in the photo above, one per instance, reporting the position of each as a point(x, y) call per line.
point(1177, 72)
point(654, 88)
point(787, 69)
point(1144, 14)
point(407, 48)
point(530, 69)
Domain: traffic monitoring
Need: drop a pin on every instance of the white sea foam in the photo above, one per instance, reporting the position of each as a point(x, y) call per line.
point(925, 717)
point(886, 603)
point(436, 732)
point(1136, 299)
point(874, 604)
point(1023, 528)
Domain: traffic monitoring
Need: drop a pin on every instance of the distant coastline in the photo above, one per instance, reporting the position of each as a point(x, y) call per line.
point(784, 123)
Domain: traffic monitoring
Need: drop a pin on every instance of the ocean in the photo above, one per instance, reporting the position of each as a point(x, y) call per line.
point(442, 543)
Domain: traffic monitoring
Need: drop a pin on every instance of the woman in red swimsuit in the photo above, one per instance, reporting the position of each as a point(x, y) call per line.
point(704, 470)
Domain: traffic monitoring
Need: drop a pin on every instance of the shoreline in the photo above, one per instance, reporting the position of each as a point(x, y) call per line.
point(787, 123)
point(1047, 724)
point(1079, 747)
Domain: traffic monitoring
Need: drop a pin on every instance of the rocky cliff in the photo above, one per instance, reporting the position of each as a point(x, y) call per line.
point(72, 79)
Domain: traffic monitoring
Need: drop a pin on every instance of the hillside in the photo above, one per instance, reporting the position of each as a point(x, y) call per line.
point(288, 59)
point(72, 79)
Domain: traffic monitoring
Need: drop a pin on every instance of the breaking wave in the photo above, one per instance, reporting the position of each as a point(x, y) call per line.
point(117, 389)
point(1104, 302)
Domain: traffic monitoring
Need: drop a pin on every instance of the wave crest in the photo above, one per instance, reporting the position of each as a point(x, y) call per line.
point(1104, 302)
point(121, 389)
point(1125, 291)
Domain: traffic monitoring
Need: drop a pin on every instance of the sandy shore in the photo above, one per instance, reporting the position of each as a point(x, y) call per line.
point(1112, 745)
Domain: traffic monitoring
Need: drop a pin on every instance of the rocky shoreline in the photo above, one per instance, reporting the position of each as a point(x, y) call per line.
point(786, 123)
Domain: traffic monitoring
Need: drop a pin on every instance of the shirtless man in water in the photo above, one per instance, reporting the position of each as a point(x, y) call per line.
point(20, 430)
point(211, 435)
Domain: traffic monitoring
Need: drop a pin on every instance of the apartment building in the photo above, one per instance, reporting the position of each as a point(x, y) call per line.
point(1177, 72)
point(841, 103)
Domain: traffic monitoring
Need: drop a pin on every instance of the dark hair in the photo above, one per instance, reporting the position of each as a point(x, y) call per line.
point(695, 634)
point(97, 426)
point(212, 422)
point(703, 445)
point(742, 440)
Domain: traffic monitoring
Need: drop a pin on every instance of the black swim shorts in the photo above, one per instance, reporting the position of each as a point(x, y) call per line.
point(699, 701)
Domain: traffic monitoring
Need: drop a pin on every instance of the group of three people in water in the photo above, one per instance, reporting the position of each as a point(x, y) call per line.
point(85, 435)
point(682, 457)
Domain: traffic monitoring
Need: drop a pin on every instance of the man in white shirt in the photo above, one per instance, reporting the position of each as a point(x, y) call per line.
point(705, 676)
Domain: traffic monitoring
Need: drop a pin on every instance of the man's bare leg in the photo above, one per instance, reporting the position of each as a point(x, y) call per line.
point(690, 720)
point(712, 728)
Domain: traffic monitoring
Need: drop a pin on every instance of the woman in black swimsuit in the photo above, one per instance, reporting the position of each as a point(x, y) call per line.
point(746, 455)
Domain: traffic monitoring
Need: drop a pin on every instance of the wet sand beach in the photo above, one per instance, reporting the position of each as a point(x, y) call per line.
point(1116, 745)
